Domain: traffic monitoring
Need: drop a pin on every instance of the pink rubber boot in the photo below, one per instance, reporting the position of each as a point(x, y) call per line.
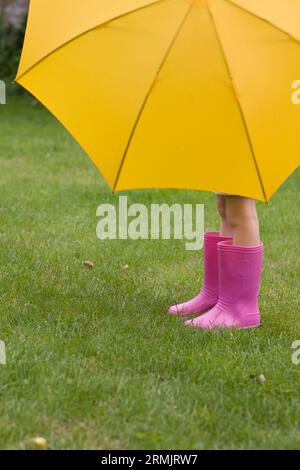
point(239, 281)
point(208, 296)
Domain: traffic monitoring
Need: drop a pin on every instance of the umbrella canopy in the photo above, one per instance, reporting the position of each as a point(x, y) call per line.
point(172, 93)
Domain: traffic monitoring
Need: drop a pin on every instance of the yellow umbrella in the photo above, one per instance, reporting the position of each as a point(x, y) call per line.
point(173, 93)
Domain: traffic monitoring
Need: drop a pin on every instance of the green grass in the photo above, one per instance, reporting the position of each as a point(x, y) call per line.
point(93, 360)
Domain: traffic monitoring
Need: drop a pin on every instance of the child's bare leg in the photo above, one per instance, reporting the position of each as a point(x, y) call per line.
point(208, 296)
point(240, 267)
point(225, 227)
point(242, 217)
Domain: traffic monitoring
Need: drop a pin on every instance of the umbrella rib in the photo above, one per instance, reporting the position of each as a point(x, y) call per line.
point(89, 31)
point(235, 90)
point(150, 91)
point(270, 23)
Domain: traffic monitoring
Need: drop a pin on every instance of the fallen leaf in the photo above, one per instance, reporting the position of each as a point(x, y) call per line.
point(261, 378)
point(40, 443)
point(88, 264)
point(258, 377)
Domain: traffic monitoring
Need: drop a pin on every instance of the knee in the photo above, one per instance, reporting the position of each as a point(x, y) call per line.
point(241, 217)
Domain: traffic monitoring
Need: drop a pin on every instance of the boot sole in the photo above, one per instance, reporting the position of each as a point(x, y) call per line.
point(190, 315)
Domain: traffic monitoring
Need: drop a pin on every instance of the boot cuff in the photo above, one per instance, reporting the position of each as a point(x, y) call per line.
point(228, 246)
point(215, 235)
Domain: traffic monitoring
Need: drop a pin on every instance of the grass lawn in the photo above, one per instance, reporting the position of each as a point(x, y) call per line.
point(93, 361)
